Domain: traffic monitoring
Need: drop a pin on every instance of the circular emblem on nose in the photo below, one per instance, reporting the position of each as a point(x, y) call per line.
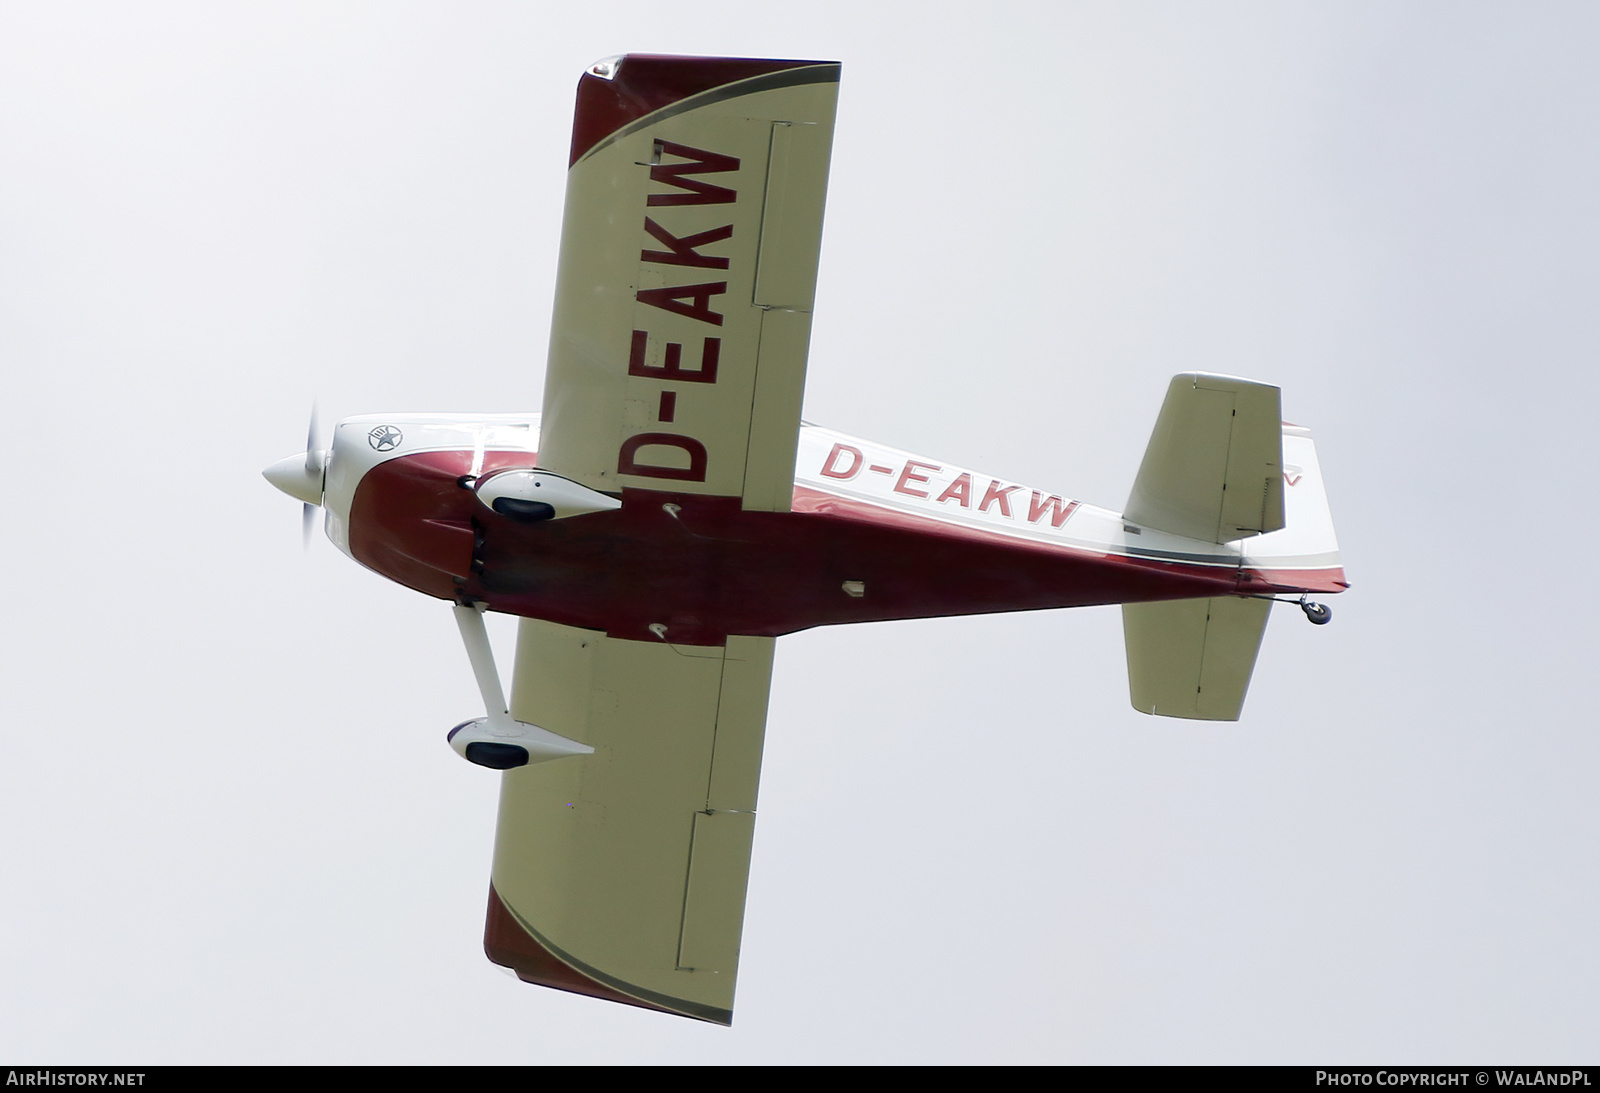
point(385, 438)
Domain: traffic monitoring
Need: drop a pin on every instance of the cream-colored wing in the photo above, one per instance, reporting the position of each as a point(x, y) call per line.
point(688, 268)
point(622, 874)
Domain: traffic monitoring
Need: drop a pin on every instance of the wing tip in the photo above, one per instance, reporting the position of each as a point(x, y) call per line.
point(617, 91)
point(508, 943)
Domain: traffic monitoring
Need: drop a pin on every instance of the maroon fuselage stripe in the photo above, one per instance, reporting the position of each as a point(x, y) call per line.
point(712, 569)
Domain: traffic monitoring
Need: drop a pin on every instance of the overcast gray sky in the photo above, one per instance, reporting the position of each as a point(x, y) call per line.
point(230, 829)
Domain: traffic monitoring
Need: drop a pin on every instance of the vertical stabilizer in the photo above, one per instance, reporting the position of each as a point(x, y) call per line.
point(1305, 553)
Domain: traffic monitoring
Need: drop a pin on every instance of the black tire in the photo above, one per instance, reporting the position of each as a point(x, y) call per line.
point(523, 511)
point(1319, 614)
point(497, 756)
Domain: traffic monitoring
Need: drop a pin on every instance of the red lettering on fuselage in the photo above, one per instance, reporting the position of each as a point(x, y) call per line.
point(959, 491)
point(995, 494)
point(846, 462)
point(1059, 510)
point(908, 476)
point(831, 468)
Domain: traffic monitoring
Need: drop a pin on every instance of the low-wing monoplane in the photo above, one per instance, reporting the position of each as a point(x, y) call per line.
point(668, 515)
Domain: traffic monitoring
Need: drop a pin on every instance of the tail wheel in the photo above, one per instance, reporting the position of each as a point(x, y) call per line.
point(1319, 614)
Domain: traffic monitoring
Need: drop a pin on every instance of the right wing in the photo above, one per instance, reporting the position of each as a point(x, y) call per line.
point(689, 256)
point(622, 874)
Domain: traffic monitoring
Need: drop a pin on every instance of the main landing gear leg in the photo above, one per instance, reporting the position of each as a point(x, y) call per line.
point(497, 741)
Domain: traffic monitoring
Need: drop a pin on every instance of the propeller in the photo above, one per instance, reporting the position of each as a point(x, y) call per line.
point(301, 477)
point(316, 461)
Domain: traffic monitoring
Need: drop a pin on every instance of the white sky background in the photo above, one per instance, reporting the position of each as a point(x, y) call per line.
point(230, 829)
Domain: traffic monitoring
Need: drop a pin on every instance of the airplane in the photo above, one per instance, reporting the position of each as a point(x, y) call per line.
point(668, 515)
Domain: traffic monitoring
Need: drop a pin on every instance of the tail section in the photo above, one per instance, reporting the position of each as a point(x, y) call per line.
point(1304, 554)
point(1221, 467)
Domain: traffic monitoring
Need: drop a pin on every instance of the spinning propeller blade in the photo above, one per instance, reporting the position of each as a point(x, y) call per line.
point(300, 476)
point(314, 464)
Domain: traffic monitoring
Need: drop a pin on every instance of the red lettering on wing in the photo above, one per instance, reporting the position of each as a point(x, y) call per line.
point(628, 461)
point(995, 494)
point(700, 162)
point(1059, 510)
point(671, 368)
point(831, 468)
point(908, 475)
point(685, 251)
point(960, 490)
point(674, 456)
point(673, 297)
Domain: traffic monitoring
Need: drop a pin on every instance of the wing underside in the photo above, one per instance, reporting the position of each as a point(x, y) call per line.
point(678, 348)
point(622, 874)
point(688, 267)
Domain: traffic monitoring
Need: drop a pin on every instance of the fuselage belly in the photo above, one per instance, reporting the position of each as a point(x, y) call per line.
point(702, 568)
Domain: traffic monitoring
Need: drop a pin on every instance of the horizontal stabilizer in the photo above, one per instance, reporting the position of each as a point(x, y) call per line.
point(1214, 468)
point(1193, 658)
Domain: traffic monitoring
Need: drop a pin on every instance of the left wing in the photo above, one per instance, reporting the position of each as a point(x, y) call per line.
point(688, 267)
point(621, 874)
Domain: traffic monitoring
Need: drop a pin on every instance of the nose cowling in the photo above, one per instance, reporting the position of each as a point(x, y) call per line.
point(299, 476)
